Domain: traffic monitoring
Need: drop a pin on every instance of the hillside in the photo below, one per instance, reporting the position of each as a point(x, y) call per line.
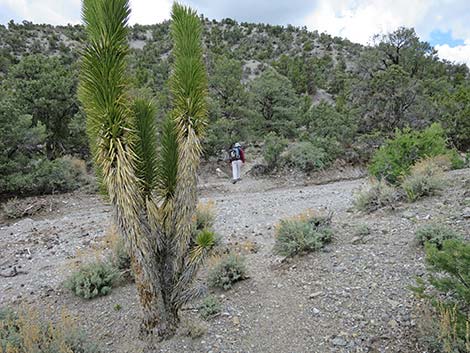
point(314, 96)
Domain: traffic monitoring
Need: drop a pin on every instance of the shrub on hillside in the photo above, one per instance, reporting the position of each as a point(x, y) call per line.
point(46, 176)
point(17, 208)
point(426, 178)
point(377, 195)
point(209, 307)
point(306, 157)
point(93, 280)
point(273, 147)
point(303, 233)
point(435, 234)
point(25, 332)
point(395, 158)
point(227, 271)
point(447, 288)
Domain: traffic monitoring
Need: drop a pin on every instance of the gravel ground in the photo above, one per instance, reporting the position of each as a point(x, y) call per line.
point(350, 297)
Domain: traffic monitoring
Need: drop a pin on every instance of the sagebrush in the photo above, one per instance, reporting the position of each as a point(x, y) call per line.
point(93, 280)
point(229, 270)
point(209, 307)
point(376, 195)
point(426, 178)
point(306, 232)
point(435, 234)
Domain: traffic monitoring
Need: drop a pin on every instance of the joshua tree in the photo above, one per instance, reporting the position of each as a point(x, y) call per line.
point(151, 186)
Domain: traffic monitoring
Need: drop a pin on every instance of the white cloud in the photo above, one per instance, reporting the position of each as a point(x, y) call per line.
point(43, 11)
point(150, 11)
point(68, 11)
point(459, 54)
point(360, 20)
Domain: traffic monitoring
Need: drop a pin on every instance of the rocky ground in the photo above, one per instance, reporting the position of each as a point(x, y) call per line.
point(352, 296)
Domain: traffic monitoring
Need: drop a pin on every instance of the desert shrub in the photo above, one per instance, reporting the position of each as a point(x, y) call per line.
point(361, 230)
point(396, 156)
point(273, 147)
point(46, 176)
point(426, 178)
point(205, 216)
point(447, 289)
point(193, 328)
point(303, 233)
point(17, 208)
point(227, 271)
point(93, 280)
point(120, 258)
point(306, 157)
point(435, 234)
point(60, 175)
point(377, 195)
point(25, 332)
point(209, 307)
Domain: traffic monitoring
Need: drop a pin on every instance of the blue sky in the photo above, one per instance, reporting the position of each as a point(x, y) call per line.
point(444, 23)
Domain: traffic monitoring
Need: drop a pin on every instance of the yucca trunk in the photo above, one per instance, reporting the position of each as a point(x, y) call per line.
point(153, 194)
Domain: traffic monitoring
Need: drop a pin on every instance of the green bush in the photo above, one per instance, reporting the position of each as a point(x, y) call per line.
point(303, 233)
point(273, 147)
point(229, 270)
point(435, 234)
point(426, 179)
point(45, 177)
point(447, 289)
point(377, 195)
point(93, 280)
point(396, 157)
point(25, 332)
point(306, 157)
point(209, 307)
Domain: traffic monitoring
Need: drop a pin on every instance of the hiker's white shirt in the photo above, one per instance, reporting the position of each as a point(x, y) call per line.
point(236, 169)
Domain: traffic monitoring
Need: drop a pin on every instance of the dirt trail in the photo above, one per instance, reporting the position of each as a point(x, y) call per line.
point(350, 297)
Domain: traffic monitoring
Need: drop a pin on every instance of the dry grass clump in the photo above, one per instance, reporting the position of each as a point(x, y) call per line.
point(376, 195)
point(26, 332)
point(426, 178)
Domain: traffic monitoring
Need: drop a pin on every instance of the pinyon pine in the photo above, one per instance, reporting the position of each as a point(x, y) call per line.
point(151, 184)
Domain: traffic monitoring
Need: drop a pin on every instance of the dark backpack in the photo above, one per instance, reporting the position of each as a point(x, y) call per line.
point(235, 154)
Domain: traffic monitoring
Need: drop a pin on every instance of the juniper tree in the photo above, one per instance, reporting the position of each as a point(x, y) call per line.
point(151, 184)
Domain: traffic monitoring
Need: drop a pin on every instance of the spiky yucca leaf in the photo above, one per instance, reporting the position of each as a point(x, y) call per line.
point(205, 239)
point(145, 144)
point(168, 162)
point(188, 84)
point(103, 93)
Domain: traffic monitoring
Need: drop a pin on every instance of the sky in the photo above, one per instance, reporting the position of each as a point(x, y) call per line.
point(443, 23)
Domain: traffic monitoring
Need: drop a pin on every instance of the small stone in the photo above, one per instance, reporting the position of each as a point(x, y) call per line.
point(315, 311)
point(236, 320)
point(338, 341)
point(393, 324)
point(315, 295)
point(356, 240)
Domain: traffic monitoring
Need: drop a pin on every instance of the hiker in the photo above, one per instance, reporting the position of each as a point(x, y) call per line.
point(237, 158)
